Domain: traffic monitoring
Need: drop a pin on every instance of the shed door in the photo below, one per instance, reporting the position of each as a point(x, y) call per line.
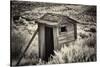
point(49, 42)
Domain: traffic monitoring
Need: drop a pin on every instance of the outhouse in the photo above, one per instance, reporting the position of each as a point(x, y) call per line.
point(54, 31)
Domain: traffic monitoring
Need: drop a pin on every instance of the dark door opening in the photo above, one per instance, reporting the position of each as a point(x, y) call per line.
point(49, 42)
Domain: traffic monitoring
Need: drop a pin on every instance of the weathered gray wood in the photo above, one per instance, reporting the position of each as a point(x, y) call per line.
point(50, 23)
point(55, 38)
point(75, 31)
point(66, 40)
point(66, 33)
point(41, 41)
point(66, 37)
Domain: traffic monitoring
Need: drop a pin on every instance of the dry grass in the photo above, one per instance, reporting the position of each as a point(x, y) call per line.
point(82, 50)
point(17, 42)
point(77, 52)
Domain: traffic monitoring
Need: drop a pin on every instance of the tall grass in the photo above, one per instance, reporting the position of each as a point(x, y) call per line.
point(17, 42)
point(78, 51)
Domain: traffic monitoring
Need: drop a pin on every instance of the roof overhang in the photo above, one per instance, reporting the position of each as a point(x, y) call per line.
point(49, 23)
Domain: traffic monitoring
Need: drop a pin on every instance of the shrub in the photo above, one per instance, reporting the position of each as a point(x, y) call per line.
point(17, 41)
point(83, 35)
point(77, 52)
point(93, 29)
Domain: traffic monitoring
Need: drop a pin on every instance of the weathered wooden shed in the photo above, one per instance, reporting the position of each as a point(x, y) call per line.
point(54, 31)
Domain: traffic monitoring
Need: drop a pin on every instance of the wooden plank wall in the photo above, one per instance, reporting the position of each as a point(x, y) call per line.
point(66, 37)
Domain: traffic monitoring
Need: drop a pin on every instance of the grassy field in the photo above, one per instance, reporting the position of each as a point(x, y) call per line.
point(23, 26)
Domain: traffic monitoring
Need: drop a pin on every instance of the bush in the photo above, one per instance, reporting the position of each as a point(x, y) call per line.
point(83, 35)
point(93, 30)
point(91, 41)
point(77, 52)
point(17, 41)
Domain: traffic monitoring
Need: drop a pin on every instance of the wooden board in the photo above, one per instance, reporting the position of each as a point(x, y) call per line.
point(41, 34)
point(66, 37)
point(55, 33)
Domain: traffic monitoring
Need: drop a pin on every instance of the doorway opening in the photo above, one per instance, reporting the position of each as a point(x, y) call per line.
point(49, 42)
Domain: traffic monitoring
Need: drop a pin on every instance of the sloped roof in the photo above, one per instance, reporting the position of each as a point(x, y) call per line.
point(55, 19)
point(52, 17)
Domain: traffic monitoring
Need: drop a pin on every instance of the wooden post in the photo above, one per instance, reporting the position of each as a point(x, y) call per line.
point(55, 32)
point(41, 40)
point(75, 31)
